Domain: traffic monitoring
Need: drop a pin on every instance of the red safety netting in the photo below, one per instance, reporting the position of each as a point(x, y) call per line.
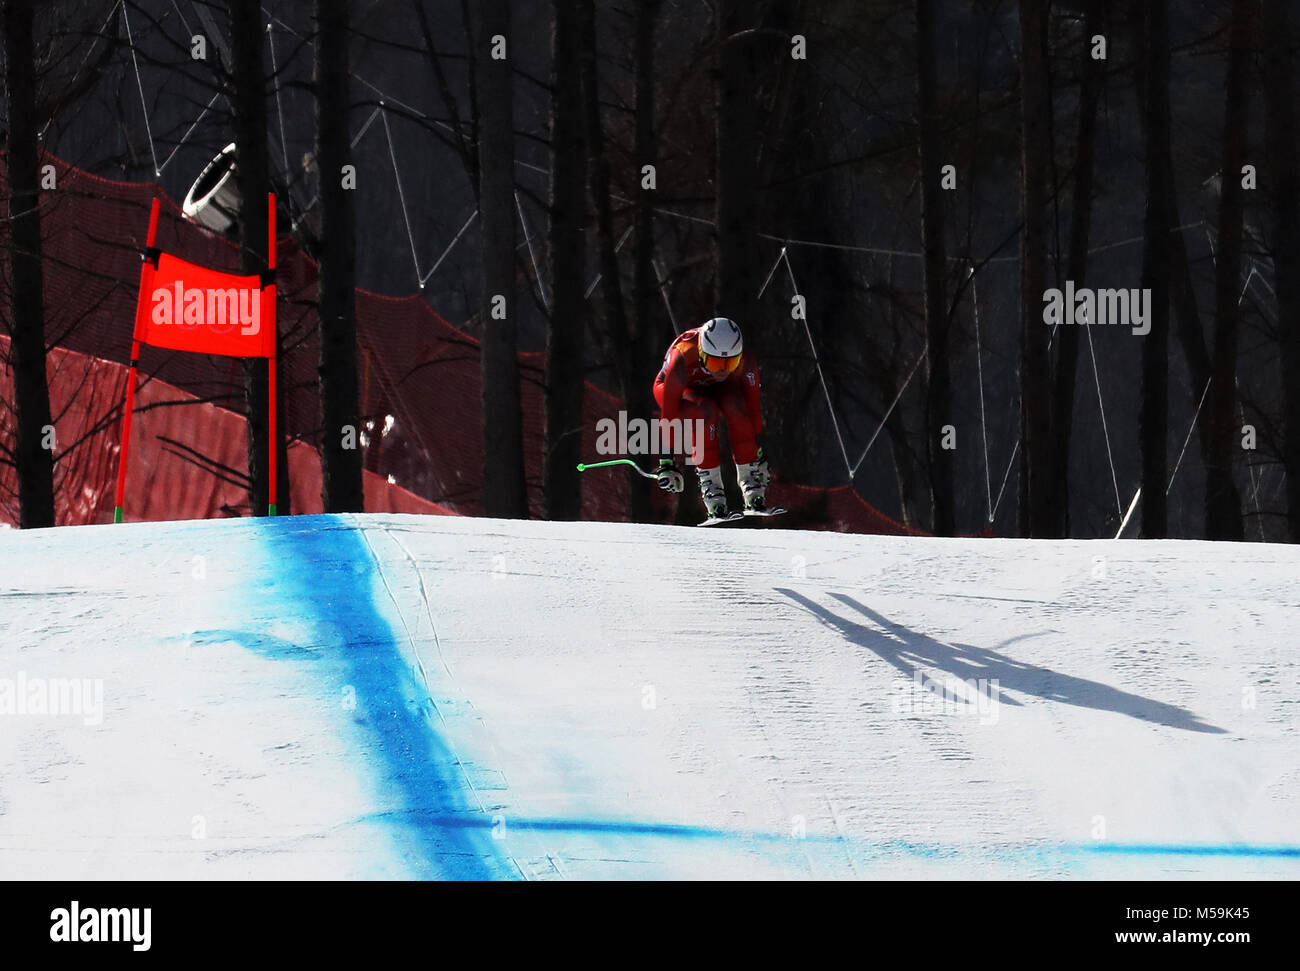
point(419, 387)
point(186, 456)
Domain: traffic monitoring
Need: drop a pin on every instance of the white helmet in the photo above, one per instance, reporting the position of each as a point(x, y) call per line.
point(720, 345)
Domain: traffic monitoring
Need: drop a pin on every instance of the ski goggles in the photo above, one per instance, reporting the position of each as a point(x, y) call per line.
point(719, 365)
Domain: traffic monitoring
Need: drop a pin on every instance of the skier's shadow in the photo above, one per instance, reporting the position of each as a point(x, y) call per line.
point(910, 651)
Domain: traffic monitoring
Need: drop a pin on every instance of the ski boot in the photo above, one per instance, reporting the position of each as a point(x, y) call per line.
point(713, 493)
point(753, 478)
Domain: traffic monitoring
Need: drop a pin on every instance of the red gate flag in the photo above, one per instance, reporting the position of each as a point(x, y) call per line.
point(186, 307)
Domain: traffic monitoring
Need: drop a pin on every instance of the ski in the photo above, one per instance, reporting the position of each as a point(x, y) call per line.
point(729, 518)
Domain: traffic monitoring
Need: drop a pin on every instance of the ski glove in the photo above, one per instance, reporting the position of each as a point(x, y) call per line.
point(669, 479)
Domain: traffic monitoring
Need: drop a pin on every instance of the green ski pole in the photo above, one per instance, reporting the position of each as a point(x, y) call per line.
point(601, 465)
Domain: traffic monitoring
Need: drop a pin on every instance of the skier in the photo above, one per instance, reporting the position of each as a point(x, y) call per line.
point(706, 375)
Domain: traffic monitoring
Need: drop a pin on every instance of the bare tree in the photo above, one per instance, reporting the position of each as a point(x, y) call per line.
point(341, 479)
point(937, 321)
point(1035, 402)
point(1284, 194)
point(1160, 223)
point(642, 329)
point(628, 361)
point(504, 492)
point(1092, 78)
point(34, 460)
point(736, 147)
point(564, 335)
point(1222, 501)
point(252, 175)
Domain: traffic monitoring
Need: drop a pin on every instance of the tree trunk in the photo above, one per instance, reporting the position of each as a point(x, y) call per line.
point(1035, 400)
point(629, 362)
point(1186, 315)
point(736, 148)
point(247, 39)
point(1280, 132)
point(1093, 75)
point(504, 492)
point(1153, 419)
point(1222, 501)
point(565, 335)
point(937, 324)
point(34, 461)
point(642, 352)
point(341, 479)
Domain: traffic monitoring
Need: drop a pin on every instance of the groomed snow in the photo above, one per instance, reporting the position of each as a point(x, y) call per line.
point(400, 696)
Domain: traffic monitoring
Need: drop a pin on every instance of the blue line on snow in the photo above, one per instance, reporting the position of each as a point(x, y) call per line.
point(885, 847)
point(321, 568)
point(1191, 849)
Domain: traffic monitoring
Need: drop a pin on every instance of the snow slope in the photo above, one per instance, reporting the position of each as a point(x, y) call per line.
point(402, 696)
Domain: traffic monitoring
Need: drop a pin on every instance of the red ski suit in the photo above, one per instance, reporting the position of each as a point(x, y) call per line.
point(685, 390)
